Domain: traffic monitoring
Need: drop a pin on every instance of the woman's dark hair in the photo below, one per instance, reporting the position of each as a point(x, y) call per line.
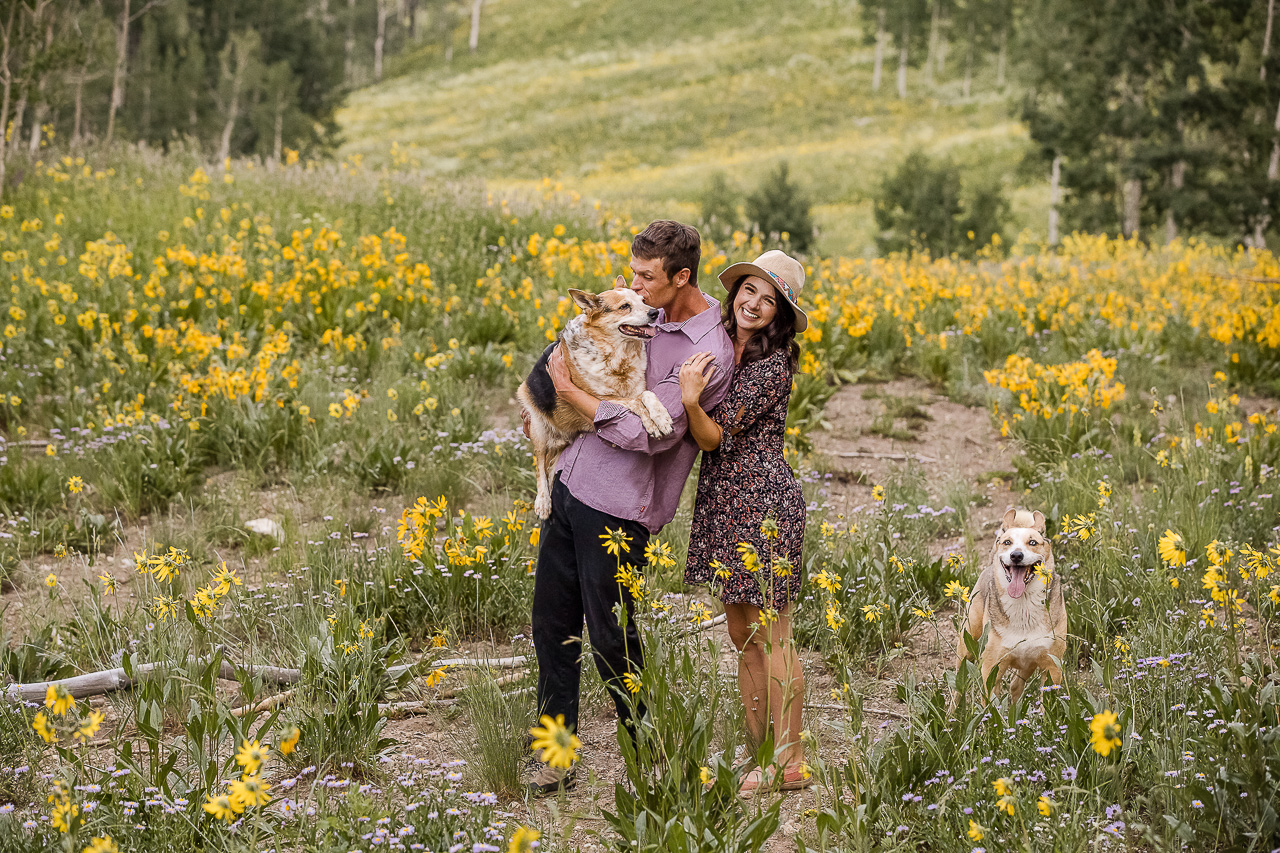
point(779, 334)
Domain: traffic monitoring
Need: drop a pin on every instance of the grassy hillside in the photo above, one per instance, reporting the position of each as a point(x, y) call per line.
point(638, 104)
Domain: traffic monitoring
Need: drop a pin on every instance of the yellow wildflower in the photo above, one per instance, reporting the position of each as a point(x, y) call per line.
point(1105, 732)
point(559, 746)
point(523, 840)
point(251, 756)
point(58, 700)
point(1172, 550)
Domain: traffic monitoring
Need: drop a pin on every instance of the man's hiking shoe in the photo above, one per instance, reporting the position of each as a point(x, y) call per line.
point(551, 780)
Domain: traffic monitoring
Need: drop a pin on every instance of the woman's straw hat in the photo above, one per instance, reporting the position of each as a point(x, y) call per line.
point(777, 267)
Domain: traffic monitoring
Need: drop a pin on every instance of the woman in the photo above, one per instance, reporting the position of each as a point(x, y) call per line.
point(749, 515)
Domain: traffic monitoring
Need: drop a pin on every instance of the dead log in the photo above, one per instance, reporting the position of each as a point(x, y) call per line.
point(702, 626)
point(453, 690)
point(106, 681)
point(897, 457)
point(265, 705)
point(89, 684)
point(394, 710)
point(491, 663)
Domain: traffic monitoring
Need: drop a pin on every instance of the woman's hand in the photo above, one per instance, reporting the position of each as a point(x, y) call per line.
point(695, 373)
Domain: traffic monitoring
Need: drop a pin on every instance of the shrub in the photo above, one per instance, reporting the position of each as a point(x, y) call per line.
point(719, 203)
point(780, 207)
point(925, 206)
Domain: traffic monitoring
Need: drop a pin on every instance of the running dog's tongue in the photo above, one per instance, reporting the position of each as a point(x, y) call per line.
point(1018, 582)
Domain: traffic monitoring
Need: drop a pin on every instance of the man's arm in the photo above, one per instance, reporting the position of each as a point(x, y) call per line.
point(585, 402)
point(623, 428)
point(620, 426)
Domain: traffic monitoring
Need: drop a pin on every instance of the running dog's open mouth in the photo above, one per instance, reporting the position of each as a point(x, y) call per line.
point(1016, 578)
point(639, 331)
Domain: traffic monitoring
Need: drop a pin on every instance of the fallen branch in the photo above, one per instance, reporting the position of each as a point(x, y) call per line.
point(108, 680)
point(82, 686)
point(266, 704)
point(393, 710)
point(269, 674)
point(878, 712)
point(702, 626)
point(454, 690)
point(492, 663)
point(864, 454)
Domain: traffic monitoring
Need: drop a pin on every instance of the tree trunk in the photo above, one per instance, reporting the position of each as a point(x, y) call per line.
point(1266, 40)
point(6, 53)
point(968, 62)
point(1000, 57)
point(1131, 192)
point(37, 121)
point(879, 61)
point(277, 142)
point(78, 119)
point(117, 80)
point(1055, 197)
point(932, 51)
point(14, 132)
point(902, 61)
point(236, 66)
point(1177, 181)
point(474, 42)
point(380, 39)
point(1273, 168)
point(349, 44)
point(944, 47)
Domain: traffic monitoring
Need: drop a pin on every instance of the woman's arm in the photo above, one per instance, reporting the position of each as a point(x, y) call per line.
point(694, 375)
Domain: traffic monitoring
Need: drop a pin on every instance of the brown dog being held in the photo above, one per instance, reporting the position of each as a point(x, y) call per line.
point(604, 348)
point(1018, 599)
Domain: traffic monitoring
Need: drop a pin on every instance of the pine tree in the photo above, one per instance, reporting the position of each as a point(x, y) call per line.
point(779, 207)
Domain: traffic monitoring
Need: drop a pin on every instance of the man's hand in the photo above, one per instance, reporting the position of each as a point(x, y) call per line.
point(525, 420)
point(559, 370)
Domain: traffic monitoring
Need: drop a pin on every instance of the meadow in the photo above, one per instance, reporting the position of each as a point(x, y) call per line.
point(185, 344)
point(639, 106)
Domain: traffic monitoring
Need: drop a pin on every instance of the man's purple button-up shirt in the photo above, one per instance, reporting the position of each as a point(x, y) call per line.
point(620, 469)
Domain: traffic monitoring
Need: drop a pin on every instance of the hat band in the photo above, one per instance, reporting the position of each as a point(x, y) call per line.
point(782, 285)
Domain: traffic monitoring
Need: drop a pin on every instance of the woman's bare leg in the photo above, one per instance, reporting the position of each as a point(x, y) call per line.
point(786, 691)
point(753, 678)
point(770, 678)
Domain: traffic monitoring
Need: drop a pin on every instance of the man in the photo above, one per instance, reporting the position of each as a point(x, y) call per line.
point(619, 478)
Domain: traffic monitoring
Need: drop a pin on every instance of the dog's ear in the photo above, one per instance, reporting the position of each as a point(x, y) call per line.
point(1010, 516)
point(1038, 518)
point(585, 301)
point(620, 283)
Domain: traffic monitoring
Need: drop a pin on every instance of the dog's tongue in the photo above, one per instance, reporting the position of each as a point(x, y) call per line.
point(1017, 582)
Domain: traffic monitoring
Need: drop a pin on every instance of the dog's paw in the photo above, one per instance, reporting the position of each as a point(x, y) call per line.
point(542, 505)
point(659, 418)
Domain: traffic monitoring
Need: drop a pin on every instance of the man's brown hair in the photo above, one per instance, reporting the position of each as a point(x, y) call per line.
point(677, 245)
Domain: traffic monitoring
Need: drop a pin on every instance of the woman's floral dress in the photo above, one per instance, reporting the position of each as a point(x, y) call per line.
point(747, 493)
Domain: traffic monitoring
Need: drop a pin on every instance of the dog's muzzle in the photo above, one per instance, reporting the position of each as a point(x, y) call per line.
point(1017, 573)
point(639, 331)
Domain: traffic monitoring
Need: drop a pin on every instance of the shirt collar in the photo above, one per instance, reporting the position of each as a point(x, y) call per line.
point(697, 326)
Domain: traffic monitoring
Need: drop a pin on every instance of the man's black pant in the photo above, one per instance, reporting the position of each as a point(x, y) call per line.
point(576, 580)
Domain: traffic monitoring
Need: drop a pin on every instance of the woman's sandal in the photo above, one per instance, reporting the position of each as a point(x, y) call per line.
point(796, 777)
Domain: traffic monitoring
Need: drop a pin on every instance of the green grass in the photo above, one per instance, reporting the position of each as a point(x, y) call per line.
point(638, 104)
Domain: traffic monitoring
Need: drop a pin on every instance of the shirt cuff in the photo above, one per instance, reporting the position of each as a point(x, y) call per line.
point(608, 410)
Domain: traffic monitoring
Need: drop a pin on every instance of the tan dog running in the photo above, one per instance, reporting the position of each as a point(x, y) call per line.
point(605, 352)
point(1020, 599)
